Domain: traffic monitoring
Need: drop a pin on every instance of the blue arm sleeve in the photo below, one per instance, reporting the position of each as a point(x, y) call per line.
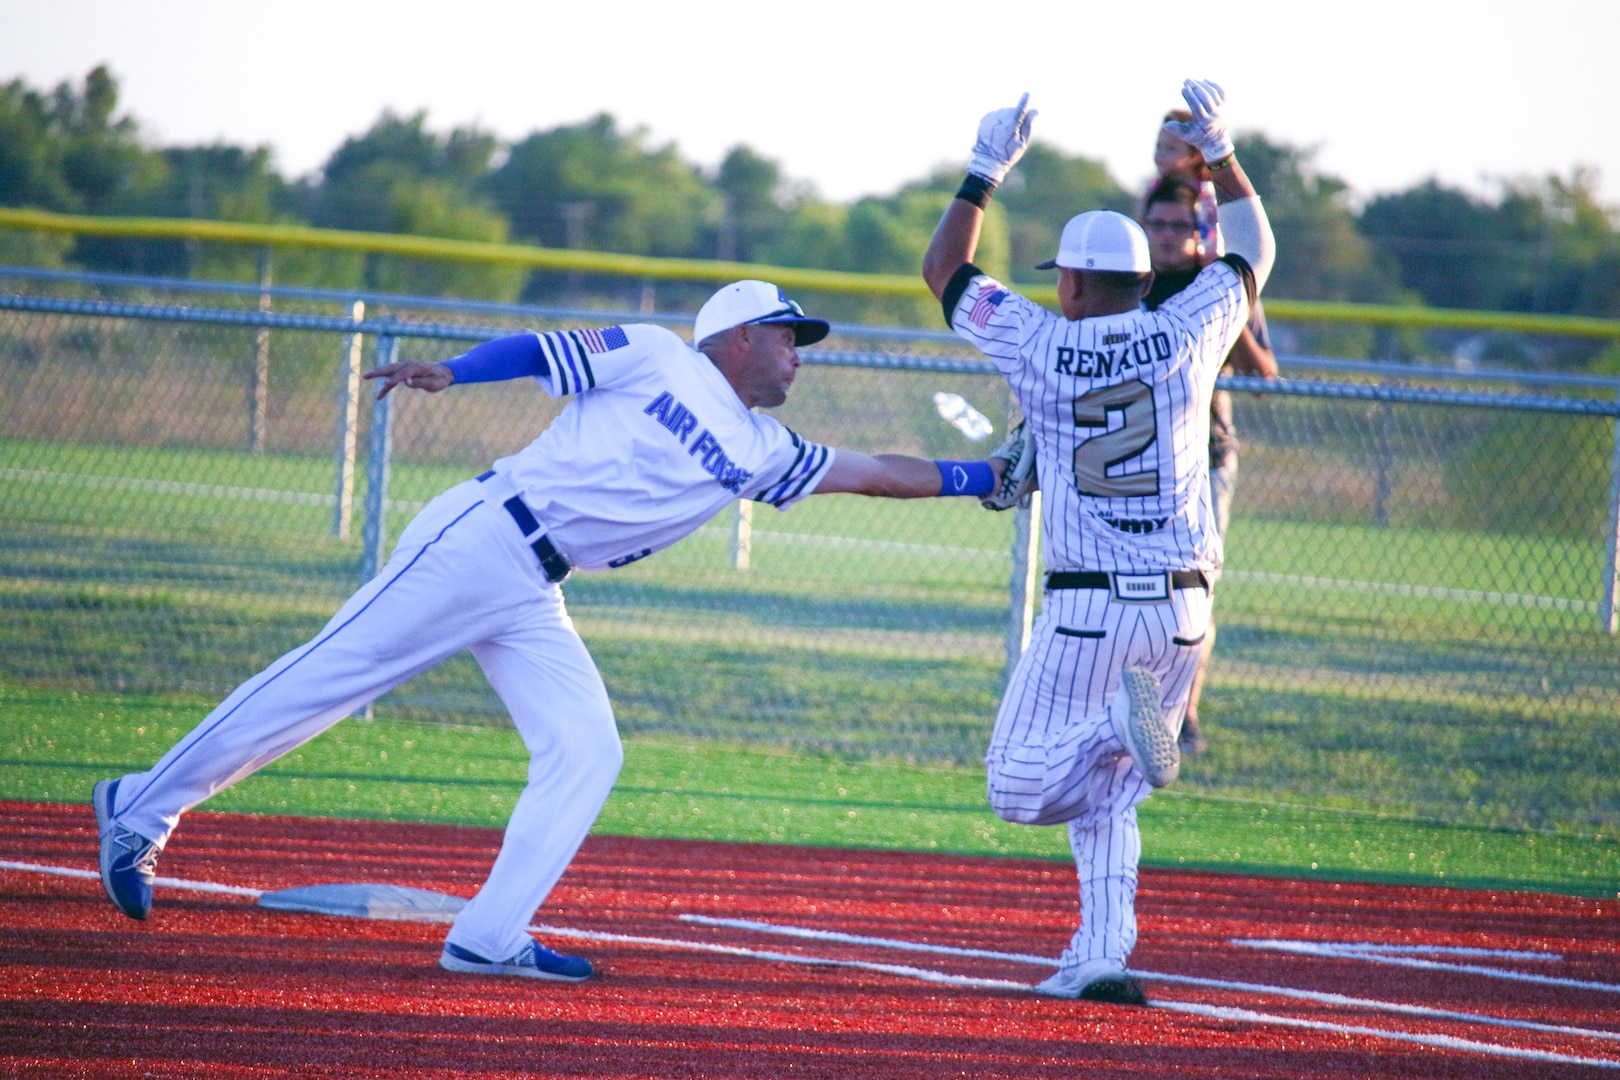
point(504, 358)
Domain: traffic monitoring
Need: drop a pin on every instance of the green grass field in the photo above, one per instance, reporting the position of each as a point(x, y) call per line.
point(863, 630)
point(54, 746)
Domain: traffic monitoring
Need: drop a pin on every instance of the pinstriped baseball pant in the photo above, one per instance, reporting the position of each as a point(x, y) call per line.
point(460, 578)
point(1054, 758)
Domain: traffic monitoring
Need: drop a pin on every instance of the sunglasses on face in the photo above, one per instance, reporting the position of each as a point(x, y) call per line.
point(791, 309)
point(1161, 225)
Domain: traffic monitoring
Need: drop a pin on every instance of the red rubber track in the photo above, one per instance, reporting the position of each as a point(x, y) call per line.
point(214, 986)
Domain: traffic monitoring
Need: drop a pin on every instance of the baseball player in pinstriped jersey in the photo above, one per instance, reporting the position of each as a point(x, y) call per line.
point(1116, 405)
point(657, 438)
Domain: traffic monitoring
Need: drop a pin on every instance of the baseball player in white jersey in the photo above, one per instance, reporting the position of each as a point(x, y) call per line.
point(657, 438)
point(1116, 407)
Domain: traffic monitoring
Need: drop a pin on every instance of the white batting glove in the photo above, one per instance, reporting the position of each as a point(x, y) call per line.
point(1003, 138)
point(1207, 132)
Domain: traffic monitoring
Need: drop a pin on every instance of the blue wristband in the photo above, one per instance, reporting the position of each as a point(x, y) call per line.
point(504, 358)
point(966, 478)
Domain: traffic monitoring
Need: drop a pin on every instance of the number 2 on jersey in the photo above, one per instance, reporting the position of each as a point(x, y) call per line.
point(1140, 427)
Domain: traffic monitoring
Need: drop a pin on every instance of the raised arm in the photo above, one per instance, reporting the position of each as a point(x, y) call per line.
point(1243, 218)
point(1250, 357)
point(1003, 138)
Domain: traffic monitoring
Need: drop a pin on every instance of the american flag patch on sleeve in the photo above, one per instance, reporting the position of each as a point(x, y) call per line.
point(984, 305)
point(605, 340)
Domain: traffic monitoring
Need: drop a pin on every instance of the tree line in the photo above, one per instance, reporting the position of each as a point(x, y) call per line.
point(1540, 245)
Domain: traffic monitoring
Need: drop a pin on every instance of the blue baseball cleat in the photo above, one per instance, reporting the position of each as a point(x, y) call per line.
point(128, 860)
point(533, 961)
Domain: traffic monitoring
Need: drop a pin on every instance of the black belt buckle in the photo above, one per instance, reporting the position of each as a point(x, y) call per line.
point(552, 563)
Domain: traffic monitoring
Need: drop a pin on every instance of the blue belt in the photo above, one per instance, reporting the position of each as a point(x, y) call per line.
point(552, 563)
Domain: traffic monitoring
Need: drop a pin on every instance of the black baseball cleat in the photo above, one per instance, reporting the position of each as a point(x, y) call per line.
point(128, 859)
point(1121, 989)
point(1095, 980)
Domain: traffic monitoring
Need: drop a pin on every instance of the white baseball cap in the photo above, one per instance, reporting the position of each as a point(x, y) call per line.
point(755, 302)
point(1102, 240)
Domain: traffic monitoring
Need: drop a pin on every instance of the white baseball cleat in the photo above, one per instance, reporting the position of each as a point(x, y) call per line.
point(1095, 980)
point(1142, 729)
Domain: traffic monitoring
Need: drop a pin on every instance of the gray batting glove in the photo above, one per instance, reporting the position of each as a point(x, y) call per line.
point(1003, 138)
point(1207, 132)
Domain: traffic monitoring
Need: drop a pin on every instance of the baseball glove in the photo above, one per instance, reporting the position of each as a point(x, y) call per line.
point(1019, 479)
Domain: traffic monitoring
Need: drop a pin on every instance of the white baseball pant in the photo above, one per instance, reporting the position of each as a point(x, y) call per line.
point(1054, 757)
point(460, 578)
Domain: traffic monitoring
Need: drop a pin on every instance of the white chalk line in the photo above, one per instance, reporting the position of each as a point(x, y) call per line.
point(181, 487)
point(1421, 592)
point(943, 978)
point(924, 974)
point(832, 543)
point(860, 939)
point(1438, 950)
point(1315, 996)
point(167, 882)
point(1448, 1042)
point(305, 498)
point(584, 935)
point(1327, 949)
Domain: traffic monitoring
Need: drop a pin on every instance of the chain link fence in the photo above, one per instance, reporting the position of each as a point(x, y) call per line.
point(1418, 571)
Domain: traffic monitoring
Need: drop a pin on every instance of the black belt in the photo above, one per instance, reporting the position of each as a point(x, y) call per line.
point(552, 563)
point(1097, 579)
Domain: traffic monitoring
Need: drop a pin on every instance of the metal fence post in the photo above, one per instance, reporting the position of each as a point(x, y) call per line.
point(348, 424)
point(1384, 480)
point(259, 390)
point(742, 534)
point(375, 534)
point(1609, 605)
point(1021, 589)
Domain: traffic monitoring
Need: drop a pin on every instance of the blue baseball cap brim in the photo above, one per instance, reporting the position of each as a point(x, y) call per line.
point(806, 331)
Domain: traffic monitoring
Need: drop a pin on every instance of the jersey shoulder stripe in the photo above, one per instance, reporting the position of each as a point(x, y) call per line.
point(570, 359)
point(555, 344)
point(578, 339)
point(818, 458)
point(776, 490)
point(810, 460)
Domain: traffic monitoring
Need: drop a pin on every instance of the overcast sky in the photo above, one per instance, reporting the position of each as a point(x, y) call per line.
point(858, 97)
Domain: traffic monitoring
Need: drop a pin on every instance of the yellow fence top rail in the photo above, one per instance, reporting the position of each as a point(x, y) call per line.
point(648, 267)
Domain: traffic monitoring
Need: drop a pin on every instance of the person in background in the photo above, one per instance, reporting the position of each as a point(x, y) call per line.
point(1183, 237)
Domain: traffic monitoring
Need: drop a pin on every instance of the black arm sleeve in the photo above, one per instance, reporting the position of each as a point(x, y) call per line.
point(1244, 271)
point(958, 284)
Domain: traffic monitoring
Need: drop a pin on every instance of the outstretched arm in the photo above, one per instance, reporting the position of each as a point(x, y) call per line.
point(511, 357)
point(899, 476)
point(416, 374)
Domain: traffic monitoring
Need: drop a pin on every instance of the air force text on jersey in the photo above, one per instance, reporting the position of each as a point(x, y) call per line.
point(682, 422)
